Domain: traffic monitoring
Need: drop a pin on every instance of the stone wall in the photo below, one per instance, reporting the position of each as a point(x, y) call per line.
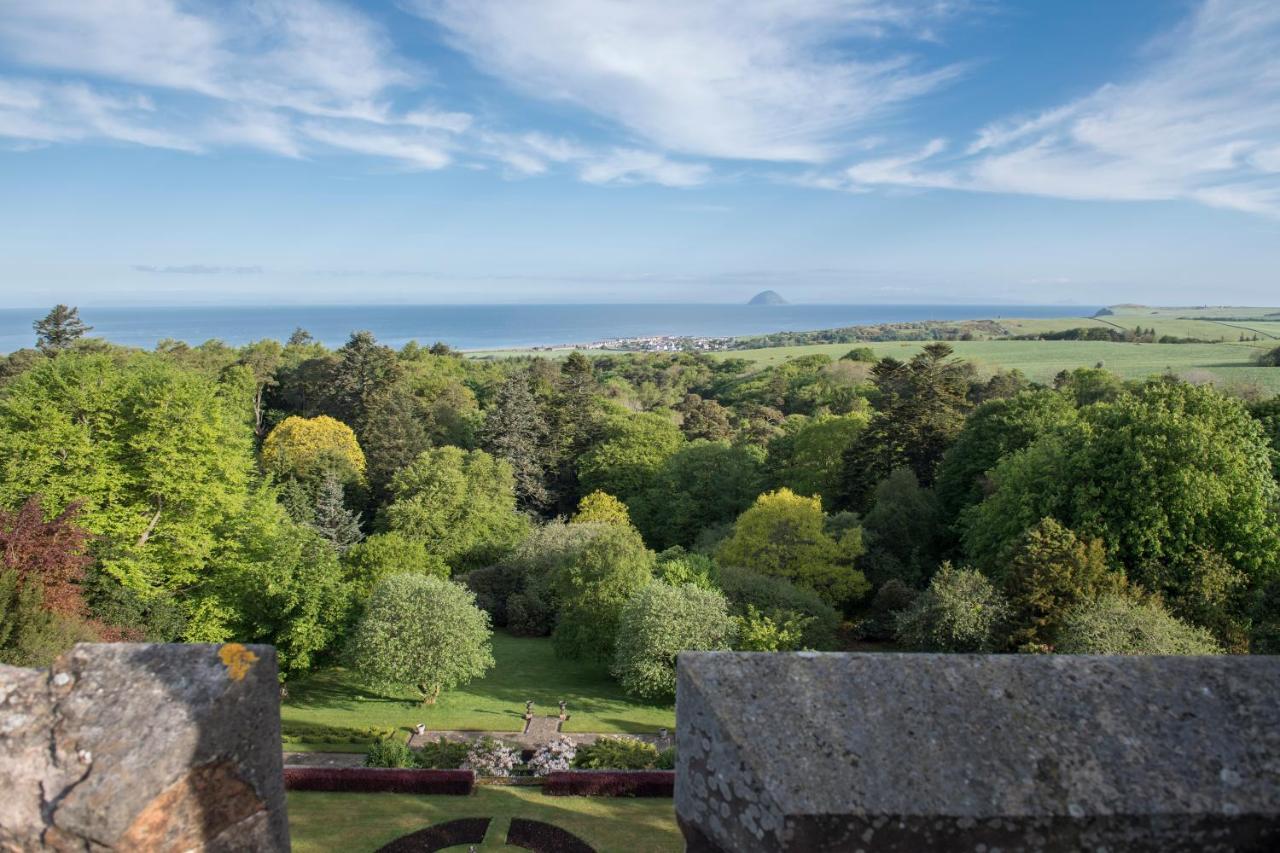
point(143, 747)
point(898, 752)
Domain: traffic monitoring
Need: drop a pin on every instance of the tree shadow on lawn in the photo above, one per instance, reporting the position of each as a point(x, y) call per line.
point(336, 689)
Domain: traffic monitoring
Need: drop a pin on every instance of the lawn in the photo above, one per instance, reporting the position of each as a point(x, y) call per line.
point(358, 822)
point(527, 668)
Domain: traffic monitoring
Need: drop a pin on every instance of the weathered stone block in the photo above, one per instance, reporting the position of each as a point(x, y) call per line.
point(143, 747)
point(908, 752)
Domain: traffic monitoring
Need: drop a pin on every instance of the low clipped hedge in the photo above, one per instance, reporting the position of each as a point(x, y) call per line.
point(610, 783)
point(371, 780)
point(306, 733)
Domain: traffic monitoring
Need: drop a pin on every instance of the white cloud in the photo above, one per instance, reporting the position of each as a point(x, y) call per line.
point(630, 166)
point(749, 79)
point(411, 150)
point(1200, 122)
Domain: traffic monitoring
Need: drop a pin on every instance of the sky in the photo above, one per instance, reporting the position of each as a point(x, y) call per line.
point(466, 151)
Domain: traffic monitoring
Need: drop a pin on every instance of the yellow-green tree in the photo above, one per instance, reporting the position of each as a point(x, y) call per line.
point(603, 508)
point(309, 448)
point(784, 534)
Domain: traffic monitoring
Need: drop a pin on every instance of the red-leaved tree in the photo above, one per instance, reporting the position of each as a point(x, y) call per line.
point(53, 553)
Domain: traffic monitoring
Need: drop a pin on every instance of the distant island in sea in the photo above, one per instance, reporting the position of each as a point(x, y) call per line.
point(767, 297)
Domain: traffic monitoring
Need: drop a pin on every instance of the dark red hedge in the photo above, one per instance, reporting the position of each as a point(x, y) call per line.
point(610, 783)
point(441, 836)
point(379, 780)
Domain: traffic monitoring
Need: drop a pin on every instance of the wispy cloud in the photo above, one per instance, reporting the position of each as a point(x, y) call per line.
point(1200, 122)
point(197, 269)
point(300, 79)
point(724, 78)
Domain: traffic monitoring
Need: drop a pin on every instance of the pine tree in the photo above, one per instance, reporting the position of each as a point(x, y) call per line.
point(336, 524)
point(59, 329)
point(515, 430)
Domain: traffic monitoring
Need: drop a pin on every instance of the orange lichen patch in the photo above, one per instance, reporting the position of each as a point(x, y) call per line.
point(209, 808)
point(237, 660)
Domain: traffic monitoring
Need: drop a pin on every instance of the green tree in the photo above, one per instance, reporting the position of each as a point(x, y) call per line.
point(807, 457)
point(920, 409)
point(1089, 385)
point(331, 519)
point(274, 581)
point(593, 584)
point(658, 623)
point(703, 484)
point(1267, 413)
point(1155, 475)
point(156, 457)
point(783, 534)
point(516, 430)
point(901, 531)
point(394, 433)
point(960, 612)
point(385, 554)
point(1123, 625)
point(59, 329)
point(460, 504)
point(703, 419)
point(364, 371)
point(1049, 572)
point(263, 359)
point(630, 453)
point(996, 429)
point(423, 632)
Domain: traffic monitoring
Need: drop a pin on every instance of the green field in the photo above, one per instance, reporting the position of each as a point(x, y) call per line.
point(527, 668)
point(359, 822)
point(1226, 363)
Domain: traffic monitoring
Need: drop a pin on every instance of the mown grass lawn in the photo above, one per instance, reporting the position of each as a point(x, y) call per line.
point(359, 822)
point(526, 668)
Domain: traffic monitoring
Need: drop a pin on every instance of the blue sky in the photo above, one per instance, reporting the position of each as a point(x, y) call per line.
point(155, 151)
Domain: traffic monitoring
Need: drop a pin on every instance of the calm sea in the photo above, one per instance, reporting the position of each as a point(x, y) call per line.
point(493, 326)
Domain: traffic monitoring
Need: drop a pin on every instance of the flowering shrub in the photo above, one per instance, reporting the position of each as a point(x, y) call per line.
point(553, 757)
point(490, 757)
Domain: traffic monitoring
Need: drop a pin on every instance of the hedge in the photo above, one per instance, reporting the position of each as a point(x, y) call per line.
point(544, 837)
point(379, 780)
point(610, 783)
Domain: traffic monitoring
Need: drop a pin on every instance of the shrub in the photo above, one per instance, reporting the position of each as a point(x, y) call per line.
point(632, 783)
point(960, 612)
point(658, 623)
point(892, 598)
point(491, 757)
point(677, 566)
point(757, 632)
point(1124, 625)
point(389, 753)
point(553, 757)
point(442, 754)
point(530, 614)
point(666, 759)
point(379, 780)
point(616, 753)
point(780, 600)
point(494, 586)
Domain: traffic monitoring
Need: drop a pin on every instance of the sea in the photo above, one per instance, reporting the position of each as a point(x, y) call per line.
point(492, 327)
